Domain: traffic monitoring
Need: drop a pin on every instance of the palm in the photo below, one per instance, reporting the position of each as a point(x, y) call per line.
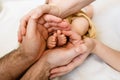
point(34, 42)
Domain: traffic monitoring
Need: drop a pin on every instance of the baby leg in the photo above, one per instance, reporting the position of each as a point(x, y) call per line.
point(89, 11)
point(52, 40)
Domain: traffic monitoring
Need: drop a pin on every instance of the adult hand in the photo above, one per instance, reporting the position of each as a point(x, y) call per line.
point(31, 48)
point(72, 7)
point(56, 58)
point(59, 8)
point(33, 43)
point(41, 21)
point(56, 9)
point(88, 47)
point(62, 56)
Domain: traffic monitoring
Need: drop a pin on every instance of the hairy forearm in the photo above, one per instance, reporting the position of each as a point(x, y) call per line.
point(110, 56)
point(13, 65)
point(39, 71)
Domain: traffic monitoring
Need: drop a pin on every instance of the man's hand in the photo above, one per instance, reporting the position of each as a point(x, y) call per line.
point(14, 64)
point(33, 43)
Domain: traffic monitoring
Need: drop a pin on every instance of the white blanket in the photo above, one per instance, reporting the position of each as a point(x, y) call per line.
point(106, 19)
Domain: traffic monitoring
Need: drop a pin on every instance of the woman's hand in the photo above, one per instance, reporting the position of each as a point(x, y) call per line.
point(86, 48)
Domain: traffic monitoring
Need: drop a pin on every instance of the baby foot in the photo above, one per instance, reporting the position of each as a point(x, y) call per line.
point(61, 39)
point(51, 42)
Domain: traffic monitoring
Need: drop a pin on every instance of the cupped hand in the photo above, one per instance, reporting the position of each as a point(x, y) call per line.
point(41, 21)
point(33, 43)
point(87, 47)
point(62, 56)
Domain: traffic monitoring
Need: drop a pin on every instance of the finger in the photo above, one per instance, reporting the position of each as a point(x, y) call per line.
point(57, 75)
point(32, 27)
point(79, 60)
point(46, 25)
point(51, 18)
point(81, 41)
point(19, 37)
point(72, 65)
point(23, 23)
point(59, 69)
point(67, 68)
point(53, 24)
point(21, 33)
point(63, 24)
point(23, 29)
point(52, 29)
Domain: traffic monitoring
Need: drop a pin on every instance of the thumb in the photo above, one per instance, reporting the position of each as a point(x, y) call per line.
point(32, 27)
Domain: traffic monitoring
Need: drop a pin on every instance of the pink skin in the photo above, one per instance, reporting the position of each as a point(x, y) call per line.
point(62, 39)
point(86, 48)
point(52, 41)
point(47, 21)
point(57, 39)
point(80, 30)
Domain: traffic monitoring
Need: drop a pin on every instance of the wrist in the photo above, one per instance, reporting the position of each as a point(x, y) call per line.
point(38, 71)
point(44, 68)
point(58, 10)
point(54, 10)
point(47, 59)
point(25, 56)
point(95, 46)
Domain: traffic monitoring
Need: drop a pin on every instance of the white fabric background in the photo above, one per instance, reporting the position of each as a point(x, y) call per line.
point(10, 15)
point(106, 19)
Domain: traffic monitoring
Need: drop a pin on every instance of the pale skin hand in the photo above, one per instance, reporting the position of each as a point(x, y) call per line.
point(46, 9)
point(42, 20)
point(57, 10)
point(87, 46)
point(60, 71)
point(54, 58)
point(79, 24)
point(109, 55)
